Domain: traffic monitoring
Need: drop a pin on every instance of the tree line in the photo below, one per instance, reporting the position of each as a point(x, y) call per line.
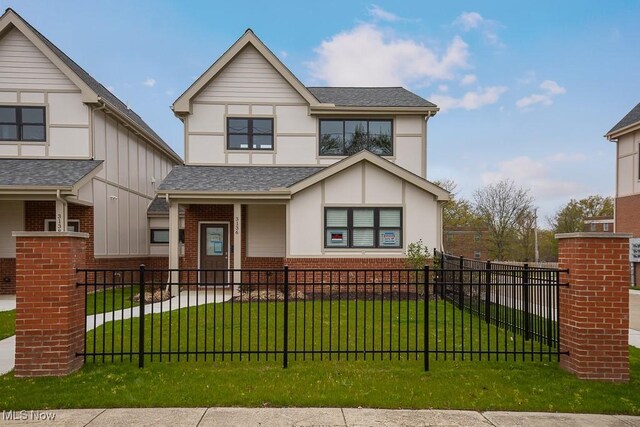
point(508, 215)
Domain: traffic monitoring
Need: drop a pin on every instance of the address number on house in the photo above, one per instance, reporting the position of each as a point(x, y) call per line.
point(634, 249)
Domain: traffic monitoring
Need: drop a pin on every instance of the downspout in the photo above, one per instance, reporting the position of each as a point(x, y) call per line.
point(63, 223)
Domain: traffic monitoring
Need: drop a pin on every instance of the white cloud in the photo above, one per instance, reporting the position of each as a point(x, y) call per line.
point(550, 89)
point(383, 15)
point(474, 21)
point(468, 79)
point(169, 92)
point(284, 53)
point(528, 78)
point(443, 88)
point(534, 175)
point(470, 20)
point(470, 100)
point(151, 82)
point(367, 56)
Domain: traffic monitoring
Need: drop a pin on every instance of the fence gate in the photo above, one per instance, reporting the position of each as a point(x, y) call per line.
point(466, 311)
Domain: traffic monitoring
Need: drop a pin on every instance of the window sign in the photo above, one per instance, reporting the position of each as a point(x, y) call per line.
point(390, 238)
point(337, 238)
point(634, 249)
point(215, 241)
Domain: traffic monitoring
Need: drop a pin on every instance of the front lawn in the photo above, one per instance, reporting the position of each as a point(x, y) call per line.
point(110, 300)
point(7, 324)
point(495, 385)
point(502, 384)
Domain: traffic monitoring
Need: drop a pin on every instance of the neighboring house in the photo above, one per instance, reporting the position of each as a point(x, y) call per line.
point(72, 155)
point(626, 135)
point(313, 177)
point(599, 224)
point(469, 242)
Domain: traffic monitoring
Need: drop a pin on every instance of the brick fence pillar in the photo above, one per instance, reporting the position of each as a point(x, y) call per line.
point(594, 309)
point(50, 308)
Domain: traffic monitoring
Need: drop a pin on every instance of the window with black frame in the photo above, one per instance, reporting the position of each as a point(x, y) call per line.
point(363, 227)
point(249, 133)
point(22, 124)
point(346, 137)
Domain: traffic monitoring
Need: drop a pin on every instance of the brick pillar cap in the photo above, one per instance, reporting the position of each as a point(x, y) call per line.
point(50, 234)
point(593, 235)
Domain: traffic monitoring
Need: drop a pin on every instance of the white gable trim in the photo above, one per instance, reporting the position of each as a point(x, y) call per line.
point(362, 156)
point(11, 20)
point(182, 105)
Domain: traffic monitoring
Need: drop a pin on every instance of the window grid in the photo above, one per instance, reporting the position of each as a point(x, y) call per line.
point(324, 151)
point(350, 229)
point(20, 124)
point(251, 145)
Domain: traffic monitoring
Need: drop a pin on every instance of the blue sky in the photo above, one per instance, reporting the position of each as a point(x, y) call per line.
point(527, 89)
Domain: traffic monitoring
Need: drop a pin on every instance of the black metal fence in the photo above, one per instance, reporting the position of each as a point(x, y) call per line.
point(286, 314)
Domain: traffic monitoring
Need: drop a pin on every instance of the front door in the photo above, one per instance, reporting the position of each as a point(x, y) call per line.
point(213, 253)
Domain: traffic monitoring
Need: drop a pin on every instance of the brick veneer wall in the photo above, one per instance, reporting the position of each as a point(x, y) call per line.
point(628, 215)
point(594, 309)
point(50, 308)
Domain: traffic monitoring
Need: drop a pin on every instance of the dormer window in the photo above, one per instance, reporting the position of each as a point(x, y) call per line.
point(22, 124)
point(249, 134)
point(340, 137)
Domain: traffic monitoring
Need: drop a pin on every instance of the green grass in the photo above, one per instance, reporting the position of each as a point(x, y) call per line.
point(7, 324)
point(390, 383)
point(516, 386)
point(317, 325)
point(110, 300)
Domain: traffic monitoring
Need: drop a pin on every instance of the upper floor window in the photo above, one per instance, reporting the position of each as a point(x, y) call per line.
point(22, 123)
point(346, 137)
point(249, 134)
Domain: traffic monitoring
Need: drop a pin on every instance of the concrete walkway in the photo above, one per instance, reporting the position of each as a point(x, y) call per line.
point(308, 417)
point(634, 317)
point(7, 302)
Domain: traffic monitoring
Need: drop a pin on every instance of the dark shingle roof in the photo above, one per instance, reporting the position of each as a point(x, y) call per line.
point(159, 205)
point(234, 178)
point(632, 117)
point(98, 88)
point(44, 172)
point(369, 97)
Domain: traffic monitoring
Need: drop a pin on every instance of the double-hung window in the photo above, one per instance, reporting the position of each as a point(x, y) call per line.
point(22, 124)
point(346, 137)
point(363, 227)
point(249, 134)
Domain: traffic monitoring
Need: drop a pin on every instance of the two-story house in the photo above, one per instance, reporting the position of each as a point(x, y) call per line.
point(313, 177)
point(72, 155)
point(626, 135)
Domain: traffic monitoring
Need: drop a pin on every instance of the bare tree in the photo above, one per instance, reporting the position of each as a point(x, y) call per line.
point(501, 206)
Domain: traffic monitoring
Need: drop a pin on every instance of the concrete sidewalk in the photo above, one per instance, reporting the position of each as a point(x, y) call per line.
point(305, 417)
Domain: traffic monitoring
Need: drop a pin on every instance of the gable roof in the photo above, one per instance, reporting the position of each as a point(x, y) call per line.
point(369, 97)
point(59, 174)
point(631, 120)
point(182, 104)
point(92, 90)
point(364, 155)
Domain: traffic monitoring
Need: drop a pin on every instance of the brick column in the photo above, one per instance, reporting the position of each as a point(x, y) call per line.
point(594, 309)
point(50, 308)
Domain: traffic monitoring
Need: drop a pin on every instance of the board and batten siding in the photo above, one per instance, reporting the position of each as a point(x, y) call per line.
point(29, 78)
point(362, 184)
point(124, 188)
point(628, 153)
point(266, 230)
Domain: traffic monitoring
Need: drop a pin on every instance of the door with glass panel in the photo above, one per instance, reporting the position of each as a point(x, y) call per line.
point(213, 253)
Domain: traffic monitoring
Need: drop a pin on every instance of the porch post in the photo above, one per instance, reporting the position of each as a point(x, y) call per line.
point(237, 242)
point(61, 215)
point(174, 245)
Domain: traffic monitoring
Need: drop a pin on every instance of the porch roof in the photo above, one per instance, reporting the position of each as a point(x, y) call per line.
point(52, 174)
point(219, 179)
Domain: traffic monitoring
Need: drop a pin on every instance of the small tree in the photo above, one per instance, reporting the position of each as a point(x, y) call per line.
point(500, 206)
point(418, 255)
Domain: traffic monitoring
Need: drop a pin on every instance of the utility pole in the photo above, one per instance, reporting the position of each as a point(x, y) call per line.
point(535, 235)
